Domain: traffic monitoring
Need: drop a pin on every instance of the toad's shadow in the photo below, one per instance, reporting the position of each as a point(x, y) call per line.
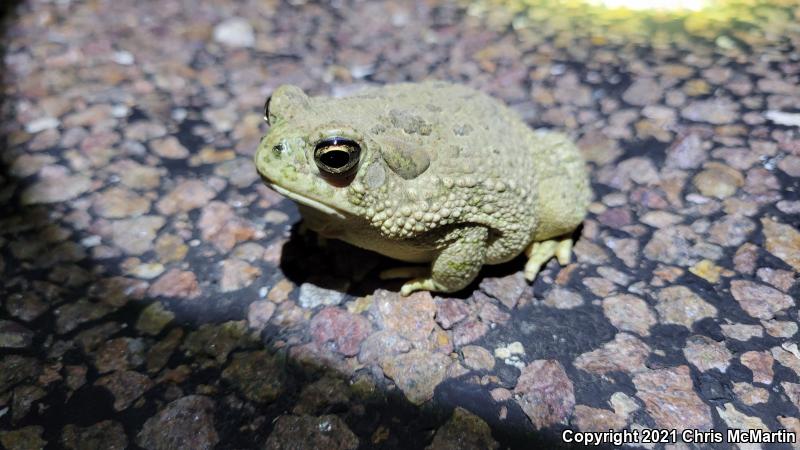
point(337, 265)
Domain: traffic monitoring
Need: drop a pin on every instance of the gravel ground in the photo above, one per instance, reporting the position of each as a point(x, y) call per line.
point(155, 295)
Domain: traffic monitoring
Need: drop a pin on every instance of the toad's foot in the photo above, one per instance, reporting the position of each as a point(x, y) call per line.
point(421, 284)
point(539, 253)
point(455, 267)
point(420, 279)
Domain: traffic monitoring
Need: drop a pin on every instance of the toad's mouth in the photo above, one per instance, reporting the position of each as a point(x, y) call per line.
point(306, 201)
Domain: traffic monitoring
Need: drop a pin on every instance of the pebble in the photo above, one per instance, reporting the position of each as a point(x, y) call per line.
point(745, 259)
point(135, 236)
point(758, 300)
point(218, 341)
point(661, 219)
point(312, 296)
point(783, 241)
point(176, 283)
point(126, 386)
point(450, 311)
point(56, 188)
point(716, 111)
point(600, 287)
point(235, 32)
point(477, 358)
point(749, 394)
point(623, 405)
point(706, 353)
point(670, 245)
point(259, 313)
point(783, 118)
point(643, 91)
point(417, 373)
point(119, 354)
point(24, 397)
point(780, 328)
point(220, 226)
point(25, 438)
point(563, 298)
point(786, 358)
point(42, 124)
point(328, 432)
point(780, 279)
point(380, 345)
point(237, 172)
point(71, 315)
point(237, 274)
point(345, 331)
point(325, 394)
point(792, 391)
point(257, 375)
point(718, 180)
point(410, 317)
point(169, 148)
point(158, 355)
point(791, 165)
point(731, 230)
point(135, 175)
point(187, 422)
point(679, 305)
point(118, 203)
point(597, 419)
point(463, 430)
point(107, 434)
point(186, 196)
point(154, 318)
point(545, 393)
point(668, 395)
point(501, 394)
point(507, 290)
point(146, 271)
point(625, 353)
point(489, 312)
point(469, 331)
point(735, 419)
point(629, 313)
point(280, 292)
point(15, 335)
point(741, 332)
point(170, 248)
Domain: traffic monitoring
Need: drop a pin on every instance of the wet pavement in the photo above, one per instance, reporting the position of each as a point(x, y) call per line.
point(155, 295)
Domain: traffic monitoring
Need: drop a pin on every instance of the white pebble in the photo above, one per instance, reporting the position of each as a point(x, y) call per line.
point(235, 32)
point(41, 124)
point(123, 58)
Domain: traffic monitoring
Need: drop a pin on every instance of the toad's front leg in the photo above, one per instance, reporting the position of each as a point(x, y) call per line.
point(456, 266)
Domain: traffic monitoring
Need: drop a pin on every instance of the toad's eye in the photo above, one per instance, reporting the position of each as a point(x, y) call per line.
point(266, 110)
point(337, 156)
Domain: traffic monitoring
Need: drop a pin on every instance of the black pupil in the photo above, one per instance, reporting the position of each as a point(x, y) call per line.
point(335, 159)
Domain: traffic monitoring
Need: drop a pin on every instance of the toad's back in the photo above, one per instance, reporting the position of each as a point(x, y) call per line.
point(496, 171)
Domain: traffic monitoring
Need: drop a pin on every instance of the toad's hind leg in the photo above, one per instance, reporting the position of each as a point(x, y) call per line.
point(539, 253)
point(455, 267)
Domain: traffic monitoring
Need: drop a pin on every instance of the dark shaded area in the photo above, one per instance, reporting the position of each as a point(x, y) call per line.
point(337, 265)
